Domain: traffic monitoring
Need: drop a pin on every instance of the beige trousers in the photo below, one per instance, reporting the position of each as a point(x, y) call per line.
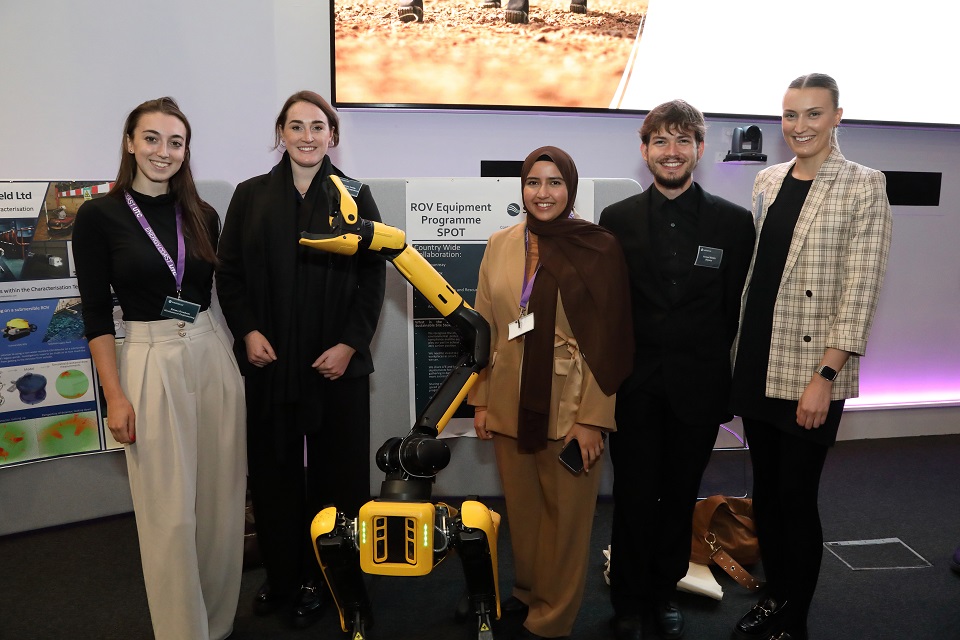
point(187, 473)
point(550, 516)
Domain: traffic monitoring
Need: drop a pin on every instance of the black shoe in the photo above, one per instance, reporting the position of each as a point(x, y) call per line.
point(515, 17)
point(578, 6)
point(268, 600)
point(410, 11)
point(669, 620)
point(514, 606)
point(763, 621)
point(309, 605)
point(627, 627)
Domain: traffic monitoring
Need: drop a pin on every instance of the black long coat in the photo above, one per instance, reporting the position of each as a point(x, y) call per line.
point(257, 250)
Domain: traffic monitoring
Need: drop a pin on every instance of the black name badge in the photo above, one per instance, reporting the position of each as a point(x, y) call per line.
point(708, 257)
point(180, 309)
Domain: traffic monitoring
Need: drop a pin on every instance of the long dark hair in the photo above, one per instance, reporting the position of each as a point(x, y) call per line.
point(196, 212)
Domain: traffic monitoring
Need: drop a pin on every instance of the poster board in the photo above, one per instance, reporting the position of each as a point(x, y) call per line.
point(448, 220)
point(50, 405)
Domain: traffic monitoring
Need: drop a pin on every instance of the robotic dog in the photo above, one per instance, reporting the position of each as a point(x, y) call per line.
point(402, 533)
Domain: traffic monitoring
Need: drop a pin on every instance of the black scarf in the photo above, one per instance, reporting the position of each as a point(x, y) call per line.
point(298, 278)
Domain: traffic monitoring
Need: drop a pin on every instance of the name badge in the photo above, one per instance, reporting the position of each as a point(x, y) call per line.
point(352, 186)
point(708, 257)
point(523, 325)
point(180, 309)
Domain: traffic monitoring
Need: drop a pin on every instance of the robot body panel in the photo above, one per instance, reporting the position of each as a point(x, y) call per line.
point(396, 538)
point(402, 533)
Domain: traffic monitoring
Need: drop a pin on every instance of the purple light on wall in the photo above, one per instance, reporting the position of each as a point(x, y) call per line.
point(894, 391)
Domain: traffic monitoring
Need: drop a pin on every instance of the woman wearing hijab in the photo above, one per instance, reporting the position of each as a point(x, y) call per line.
point(554, 290)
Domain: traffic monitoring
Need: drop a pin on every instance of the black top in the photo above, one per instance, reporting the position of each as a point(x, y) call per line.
point(111, 248)
point(303, 301)
point(749, 397)
point(683, 342)
point(673, 230)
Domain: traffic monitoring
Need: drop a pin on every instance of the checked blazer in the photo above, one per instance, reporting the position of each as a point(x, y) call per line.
point(831, 280)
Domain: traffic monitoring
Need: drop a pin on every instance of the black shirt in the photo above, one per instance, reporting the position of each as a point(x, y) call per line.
point(111, 248)
point(673, 230)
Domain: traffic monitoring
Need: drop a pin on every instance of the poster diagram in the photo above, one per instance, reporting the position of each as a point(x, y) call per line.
point(449, 221)
point(49, 396)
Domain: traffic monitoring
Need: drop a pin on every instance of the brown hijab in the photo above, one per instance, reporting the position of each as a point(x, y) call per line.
point(584, 264)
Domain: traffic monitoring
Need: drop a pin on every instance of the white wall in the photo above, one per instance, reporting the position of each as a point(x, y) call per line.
point(71, 72)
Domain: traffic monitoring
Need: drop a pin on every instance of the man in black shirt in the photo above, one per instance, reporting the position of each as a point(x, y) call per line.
point(688, 253)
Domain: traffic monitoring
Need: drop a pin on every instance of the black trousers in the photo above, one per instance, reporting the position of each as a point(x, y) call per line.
point(786, 484)
point(658, 462)
point(286, 496)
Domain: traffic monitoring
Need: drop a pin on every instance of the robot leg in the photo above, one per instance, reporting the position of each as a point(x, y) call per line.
point(334, 542)
point(476, 544)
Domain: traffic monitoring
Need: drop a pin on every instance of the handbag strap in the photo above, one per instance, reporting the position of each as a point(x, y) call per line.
point(731, 566)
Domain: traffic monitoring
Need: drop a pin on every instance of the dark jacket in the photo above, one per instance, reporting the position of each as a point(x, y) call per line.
point(687, 343)
point(255, 234)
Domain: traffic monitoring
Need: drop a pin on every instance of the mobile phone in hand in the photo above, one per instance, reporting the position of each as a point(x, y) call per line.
point(571, 458)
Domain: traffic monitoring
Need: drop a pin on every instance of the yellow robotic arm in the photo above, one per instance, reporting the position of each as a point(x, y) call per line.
point(402, 532)
point(352, 234)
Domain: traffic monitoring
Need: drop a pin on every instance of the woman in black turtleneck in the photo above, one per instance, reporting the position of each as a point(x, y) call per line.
point(174, 395)
point(303, 321)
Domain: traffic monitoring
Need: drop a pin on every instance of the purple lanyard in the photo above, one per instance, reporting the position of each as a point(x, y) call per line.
point(175, 269)
point(527, 289)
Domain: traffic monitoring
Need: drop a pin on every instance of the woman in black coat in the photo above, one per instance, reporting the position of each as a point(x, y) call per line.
point(303, 321)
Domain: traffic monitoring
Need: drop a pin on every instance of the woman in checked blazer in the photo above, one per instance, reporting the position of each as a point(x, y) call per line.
point(823, 234)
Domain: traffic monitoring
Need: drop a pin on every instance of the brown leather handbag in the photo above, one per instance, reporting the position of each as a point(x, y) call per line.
point(724, 533)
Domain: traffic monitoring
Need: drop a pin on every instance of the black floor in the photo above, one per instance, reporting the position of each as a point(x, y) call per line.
point(83, 581)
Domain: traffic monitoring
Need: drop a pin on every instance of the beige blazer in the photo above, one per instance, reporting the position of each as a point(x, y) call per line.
point(575, 395)
point(831, 281)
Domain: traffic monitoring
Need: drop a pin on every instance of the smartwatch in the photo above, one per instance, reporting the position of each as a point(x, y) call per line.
point(828, 373)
